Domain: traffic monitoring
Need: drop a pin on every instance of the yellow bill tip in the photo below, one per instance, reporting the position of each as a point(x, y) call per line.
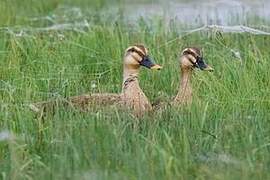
point(156, 67)
point(209, 68)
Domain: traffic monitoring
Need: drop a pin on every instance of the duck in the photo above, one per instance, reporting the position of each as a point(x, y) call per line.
point(191, 58)
point(131, 96)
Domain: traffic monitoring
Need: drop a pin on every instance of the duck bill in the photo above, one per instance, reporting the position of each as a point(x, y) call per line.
point(203, 66)
point(208, 68)
point(156, 67)
point(149, 63)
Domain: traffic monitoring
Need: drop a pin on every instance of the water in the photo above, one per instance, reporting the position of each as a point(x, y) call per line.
point(234, 16)
point(195, 12)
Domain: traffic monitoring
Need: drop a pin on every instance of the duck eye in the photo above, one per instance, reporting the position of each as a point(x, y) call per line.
point(200, 63)
point(199, 59)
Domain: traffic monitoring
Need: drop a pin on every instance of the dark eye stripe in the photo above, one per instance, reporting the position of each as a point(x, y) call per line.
point(138, 52)
point(191, 53)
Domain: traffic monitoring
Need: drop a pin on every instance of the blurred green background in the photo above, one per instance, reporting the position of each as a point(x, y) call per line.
point(59, 48)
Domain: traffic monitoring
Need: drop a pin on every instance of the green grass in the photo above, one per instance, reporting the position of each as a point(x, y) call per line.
point(223, 135)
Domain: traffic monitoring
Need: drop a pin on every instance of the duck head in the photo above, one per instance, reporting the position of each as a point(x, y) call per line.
point(136, 56)
point(193, 58)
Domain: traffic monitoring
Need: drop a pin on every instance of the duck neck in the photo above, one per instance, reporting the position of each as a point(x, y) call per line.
point(130, 77)
point(132, 95)
point(184, 95)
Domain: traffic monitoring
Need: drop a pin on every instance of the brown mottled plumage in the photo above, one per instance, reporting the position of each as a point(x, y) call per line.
point(132, 95)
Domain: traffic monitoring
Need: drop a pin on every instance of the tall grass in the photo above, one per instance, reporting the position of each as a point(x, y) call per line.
point(223, 135)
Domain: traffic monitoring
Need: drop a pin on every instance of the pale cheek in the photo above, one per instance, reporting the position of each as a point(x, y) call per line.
point(132, 62)
point(186, 63)
point(136, 57)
